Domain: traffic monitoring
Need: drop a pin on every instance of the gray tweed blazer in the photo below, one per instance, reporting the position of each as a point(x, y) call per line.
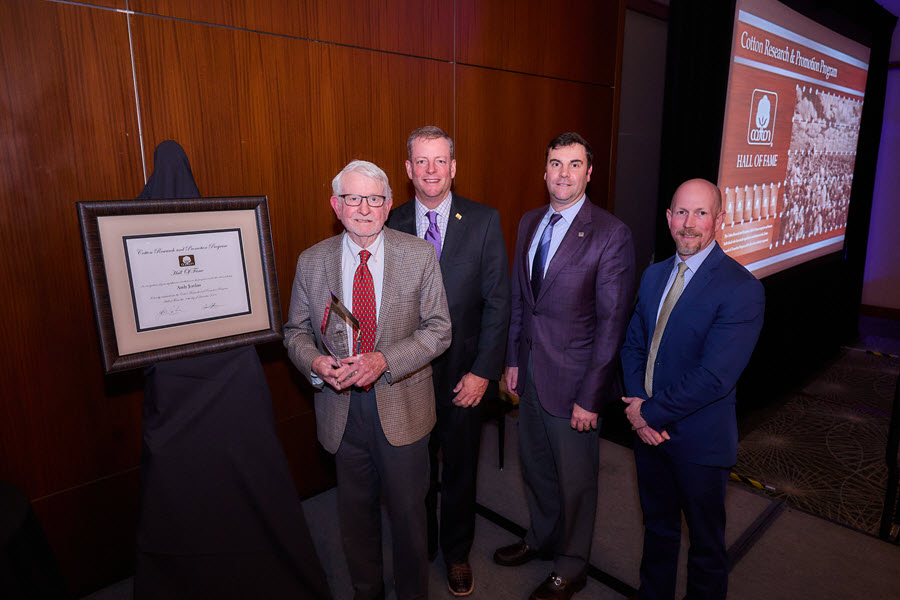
point(413, 328)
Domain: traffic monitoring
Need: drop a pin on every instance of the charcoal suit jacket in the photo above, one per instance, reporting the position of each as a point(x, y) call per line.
point(475, 270)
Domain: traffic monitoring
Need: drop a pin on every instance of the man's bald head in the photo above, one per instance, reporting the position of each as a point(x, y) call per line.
point(699, 187)
point(694, 216)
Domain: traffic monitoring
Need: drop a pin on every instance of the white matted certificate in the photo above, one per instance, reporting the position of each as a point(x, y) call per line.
point(181, 278)
point(175, 278)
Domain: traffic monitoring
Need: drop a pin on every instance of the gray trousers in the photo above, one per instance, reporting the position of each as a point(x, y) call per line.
point(559, 466)
point(367, 467)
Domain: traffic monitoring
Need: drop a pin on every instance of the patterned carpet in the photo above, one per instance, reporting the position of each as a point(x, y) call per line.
point(823, 450)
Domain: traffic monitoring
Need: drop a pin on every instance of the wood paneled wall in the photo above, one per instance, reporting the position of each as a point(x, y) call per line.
point(267, 97)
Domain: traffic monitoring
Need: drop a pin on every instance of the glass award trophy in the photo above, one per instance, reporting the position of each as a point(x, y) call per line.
point(335, 322)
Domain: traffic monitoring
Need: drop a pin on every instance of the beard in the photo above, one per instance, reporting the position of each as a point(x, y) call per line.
point(687, 248)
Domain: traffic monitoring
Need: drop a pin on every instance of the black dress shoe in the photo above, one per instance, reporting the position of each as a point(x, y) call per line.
point(557, 588)
point(515, 554)
point(460, 579)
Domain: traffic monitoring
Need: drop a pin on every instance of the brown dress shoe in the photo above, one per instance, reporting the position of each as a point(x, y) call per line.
point(515, 554)
point(557, 588)
point(460, 579)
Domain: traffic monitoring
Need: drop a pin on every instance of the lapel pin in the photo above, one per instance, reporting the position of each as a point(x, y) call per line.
point(458, 217)
point(580, 234)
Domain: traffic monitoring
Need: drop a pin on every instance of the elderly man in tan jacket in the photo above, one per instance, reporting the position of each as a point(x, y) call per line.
point(375, 404)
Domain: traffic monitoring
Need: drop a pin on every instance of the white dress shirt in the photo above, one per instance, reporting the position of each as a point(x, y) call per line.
point(349, 262)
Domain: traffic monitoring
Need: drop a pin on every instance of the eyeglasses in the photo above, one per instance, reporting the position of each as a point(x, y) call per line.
point(355, 200)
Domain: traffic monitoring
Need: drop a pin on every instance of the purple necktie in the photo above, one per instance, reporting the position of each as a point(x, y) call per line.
point(433, 234)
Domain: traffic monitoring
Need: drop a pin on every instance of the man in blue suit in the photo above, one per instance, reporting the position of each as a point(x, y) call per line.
point(697, 320)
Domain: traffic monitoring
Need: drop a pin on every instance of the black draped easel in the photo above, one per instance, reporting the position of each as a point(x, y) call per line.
point(220, 516)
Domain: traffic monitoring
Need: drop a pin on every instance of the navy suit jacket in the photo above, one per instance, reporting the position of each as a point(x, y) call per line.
point(475, 269)
point(708, 340)
point(574, 328)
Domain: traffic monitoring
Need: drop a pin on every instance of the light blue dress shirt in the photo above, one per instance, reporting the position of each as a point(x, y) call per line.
point(693, 263)
point(559, 232)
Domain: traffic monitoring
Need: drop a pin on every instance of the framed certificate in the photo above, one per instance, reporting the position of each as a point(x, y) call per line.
point(175, 278)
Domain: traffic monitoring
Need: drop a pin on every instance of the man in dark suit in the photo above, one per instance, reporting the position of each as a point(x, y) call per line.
point(475, 269)
point(696, 323)
point(375, 406)
point(572, 282)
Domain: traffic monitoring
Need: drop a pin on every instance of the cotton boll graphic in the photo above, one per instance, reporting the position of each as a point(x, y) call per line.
point(763, 110)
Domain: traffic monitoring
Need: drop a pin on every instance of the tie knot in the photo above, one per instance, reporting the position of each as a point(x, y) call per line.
point(364, 256)
point(432, 217)
point(682, 267)
point(554, 218)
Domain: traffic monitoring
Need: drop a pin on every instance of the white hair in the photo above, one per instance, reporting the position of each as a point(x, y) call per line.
point(370, 170)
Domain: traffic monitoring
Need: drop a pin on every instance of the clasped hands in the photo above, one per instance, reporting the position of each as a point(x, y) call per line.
point(360, 370)
point(647, 434)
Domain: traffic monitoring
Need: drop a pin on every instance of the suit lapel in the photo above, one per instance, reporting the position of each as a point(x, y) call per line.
point(576, 236)
point(334, 278)
point(531, 232)
point(455, 229)
point(333, 268)
point(692, 291)
point(659, 286)
point(392, 257)
point(403, 218)
point(700, 279)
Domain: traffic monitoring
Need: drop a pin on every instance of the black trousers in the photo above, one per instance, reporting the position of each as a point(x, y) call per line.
point(457, 435)
point(367, 468)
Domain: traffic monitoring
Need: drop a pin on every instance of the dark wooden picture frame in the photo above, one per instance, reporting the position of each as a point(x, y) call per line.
point(109, 276)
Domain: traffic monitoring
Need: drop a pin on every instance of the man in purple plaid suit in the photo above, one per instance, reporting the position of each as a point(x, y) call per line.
point(572, 282)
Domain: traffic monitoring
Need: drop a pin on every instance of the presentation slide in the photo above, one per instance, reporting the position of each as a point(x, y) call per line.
point(795, 96)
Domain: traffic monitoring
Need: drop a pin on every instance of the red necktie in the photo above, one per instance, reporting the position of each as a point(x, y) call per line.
point(364, 303)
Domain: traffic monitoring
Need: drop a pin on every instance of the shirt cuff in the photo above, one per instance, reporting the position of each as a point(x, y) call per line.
point(317, 381)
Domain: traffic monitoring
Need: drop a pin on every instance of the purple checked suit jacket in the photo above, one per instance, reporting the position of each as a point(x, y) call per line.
point(574, 328)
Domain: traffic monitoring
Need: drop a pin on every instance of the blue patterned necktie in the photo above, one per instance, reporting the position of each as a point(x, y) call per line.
point(433, 234)
point(540, 257)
